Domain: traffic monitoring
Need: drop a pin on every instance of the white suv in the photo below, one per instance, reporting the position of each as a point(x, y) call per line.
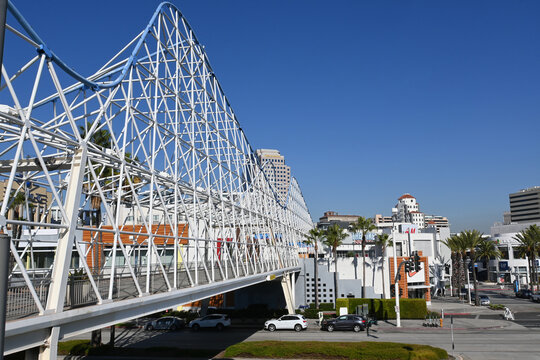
point(287, 322)
point(218, 321)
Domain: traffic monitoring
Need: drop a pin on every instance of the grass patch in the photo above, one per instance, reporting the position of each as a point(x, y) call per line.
point(496, 307)
point(82, 347)
point(73, 347)
point(365, 350)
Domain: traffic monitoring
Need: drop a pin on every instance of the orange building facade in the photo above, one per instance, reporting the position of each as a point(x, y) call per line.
point(415, 286)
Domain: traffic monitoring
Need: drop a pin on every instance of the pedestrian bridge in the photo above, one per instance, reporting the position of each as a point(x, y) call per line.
point(131, 190)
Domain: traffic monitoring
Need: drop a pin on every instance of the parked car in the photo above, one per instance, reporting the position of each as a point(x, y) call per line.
point(345, 322)
point(535, 297)
point(524, 294)
point(484, 299)
point(287, 322)
point(217, 321)
point(166, 323)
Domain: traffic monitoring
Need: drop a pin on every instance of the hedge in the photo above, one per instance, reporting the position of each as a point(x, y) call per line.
point(323, 306)
point(384, 309)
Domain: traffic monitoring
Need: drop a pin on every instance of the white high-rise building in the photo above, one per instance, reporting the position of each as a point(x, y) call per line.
point(276, 171)
point(409, 210)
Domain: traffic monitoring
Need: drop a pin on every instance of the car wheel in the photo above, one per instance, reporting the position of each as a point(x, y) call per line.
point(219, 327)
point(149, 327)
point(173, 328)
point(195, 327)
point(297, 327)
point(330, 328)
point(271, 327)
point(357, 328)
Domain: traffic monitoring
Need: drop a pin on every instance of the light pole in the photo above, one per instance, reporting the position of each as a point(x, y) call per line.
point(468, 281)
point(396, 285)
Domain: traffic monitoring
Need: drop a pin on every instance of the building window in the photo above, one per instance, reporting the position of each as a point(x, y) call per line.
point(504, 253)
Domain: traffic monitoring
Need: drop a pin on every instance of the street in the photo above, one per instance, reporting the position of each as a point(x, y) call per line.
point(479, 333)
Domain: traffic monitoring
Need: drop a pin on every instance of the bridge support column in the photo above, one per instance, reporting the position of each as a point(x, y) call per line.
point(287, 291)
point(62, 259)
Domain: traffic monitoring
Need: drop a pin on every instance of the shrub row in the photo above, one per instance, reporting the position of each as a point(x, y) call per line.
point(384, 309)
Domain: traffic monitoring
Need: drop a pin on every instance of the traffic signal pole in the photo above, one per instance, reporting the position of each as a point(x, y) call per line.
point(396, 285)
point(4, 239)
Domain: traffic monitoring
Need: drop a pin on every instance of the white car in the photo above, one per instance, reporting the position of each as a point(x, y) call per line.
point(484, 300)
point(287, 322)
point(217, 321)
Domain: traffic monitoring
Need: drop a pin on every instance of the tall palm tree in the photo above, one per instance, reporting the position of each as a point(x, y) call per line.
point(470, 241)
point(313, 237)
point(487, 250)
point(453, 243)
point(334, 236)
point(529, 245)
point(383, 241)
point(364, 225)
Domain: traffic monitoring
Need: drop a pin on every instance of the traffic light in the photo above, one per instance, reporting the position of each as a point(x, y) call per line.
point(407, 266)
point(416, 262)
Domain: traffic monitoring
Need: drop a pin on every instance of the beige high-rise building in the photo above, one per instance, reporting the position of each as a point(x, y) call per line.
point(276, 171)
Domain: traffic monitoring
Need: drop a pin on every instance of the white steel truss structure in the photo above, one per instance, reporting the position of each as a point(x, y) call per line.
point(147, 188)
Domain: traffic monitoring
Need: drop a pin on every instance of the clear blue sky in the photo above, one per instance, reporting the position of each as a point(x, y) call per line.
point(366, 100)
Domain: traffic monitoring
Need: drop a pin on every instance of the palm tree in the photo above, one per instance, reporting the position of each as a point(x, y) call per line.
point(334, 237)
point(487, 250)
point(383, 241)
point(453, 243)
point(313, 238)
point(529, 245)
point(16, 205)
point(364, 225)
point(471, 240)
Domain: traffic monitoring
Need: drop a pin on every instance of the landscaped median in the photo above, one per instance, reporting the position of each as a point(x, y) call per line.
point(365, 350)
point(333, 350)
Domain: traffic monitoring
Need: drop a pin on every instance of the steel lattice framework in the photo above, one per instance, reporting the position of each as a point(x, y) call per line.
point(154, 184)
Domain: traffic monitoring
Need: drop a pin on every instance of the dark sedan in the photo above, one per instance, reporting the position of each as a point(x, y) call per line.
point(524, 293)
point(344, 322)
point(166, 323)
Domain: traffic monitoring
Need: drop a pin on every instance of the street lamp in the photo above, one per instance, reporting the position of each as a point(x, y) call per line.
point(396, 285)
point(468, 281)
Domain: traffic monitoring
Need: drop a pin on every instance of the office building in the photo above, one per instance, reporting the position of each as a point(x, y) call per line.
point(525, 205)
point(275, 170)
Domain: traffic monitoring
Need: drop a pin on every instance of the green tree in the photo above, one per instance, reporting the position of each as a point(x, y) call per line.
point(313, 237)
point(454, 244)
point(470, 241)
point(487, 250)
point(16, 204)
point(363, 225)
point(529, 245)
point(334, 236)
point(383, 241)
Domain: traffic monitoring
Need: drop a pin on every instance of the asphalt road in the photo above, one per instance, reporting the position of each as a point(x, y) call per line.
point(479, 333)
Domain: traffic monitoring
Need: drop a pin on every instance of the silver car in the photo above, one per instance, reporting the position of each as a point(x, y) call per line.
point(484, 300)
point(217, 321)
point(166, 323)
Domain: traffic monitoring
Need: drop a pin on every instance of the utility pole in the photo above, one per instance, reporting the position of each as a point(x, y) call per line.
point(4, 239)
point(4, 272)
point(396, 285)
